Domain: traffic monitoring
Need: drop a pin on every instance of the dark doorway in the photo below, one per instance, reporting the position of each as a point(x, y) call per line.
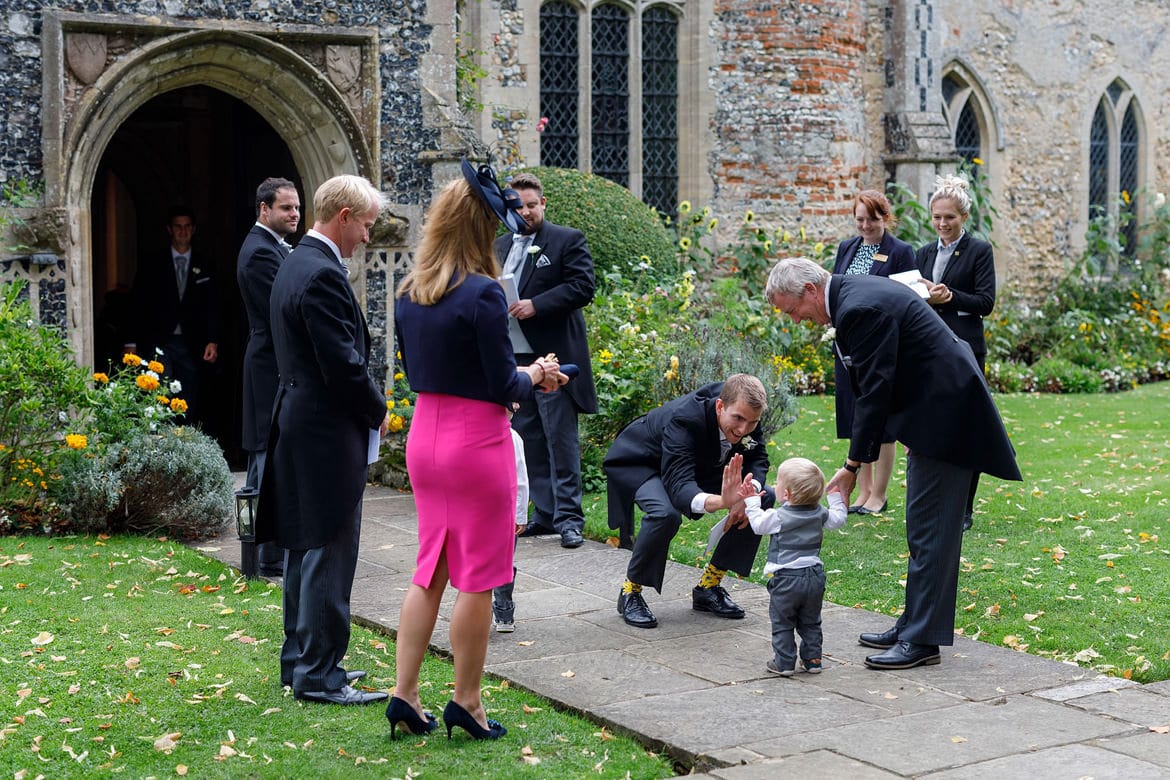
point(195, 147)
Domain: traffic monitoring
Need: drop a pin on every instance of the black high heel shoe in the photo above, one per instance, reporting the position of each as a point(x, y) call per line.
point(454, 715)
point(402, 715)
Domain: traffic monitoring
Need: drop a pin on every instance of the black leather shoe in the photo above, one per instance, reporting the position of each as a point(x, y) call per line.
point(271, 570)
point(344, 695)
point(536, 529)
point(349, 677)
point(635, 612)
point(454, 715)
point(968, 521)
point(904, 655)
point(571, 538)
point(402, 716)
point(881, 641)
point(866, 511)
point(716, 601)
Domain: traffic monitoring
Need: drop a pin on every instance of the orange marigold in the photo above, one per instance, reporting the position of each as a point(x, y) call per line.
point(130, 359)
point(100, 377)
point(155, 366)
point(75, 441)
point(178, 405)
point(146, 382)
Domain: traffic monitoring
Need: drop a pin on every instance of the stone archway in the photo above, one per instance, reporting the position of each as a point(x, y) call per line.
point(328, 131)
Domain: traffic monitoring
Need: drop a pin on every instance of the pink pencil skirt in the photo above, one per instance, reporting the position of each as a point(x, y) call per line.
point(463, 471)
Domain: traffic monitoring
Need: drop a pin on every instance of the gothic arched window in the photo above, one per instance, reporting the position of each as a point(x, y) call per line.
point(558, 84)
point(611, 93)
point(660, 109)
point(962, 105)
point(1115, 140)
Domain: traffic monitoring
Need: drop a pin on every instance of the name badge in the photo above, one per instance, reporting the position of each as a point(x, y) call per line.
point(880, 258)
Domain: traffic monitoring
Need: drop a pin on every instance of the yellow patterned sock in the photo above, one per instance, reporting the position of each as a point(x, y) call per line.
point(631, 587)
point(711, 577)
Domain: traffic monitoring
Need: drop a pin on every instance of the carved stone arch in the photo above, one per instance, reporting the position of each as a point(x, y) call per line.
point(294, 96)
point(987, 108)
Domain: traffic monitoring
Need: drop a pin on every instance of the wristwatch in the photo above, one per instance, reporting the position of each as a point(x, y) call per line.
point(851, 469)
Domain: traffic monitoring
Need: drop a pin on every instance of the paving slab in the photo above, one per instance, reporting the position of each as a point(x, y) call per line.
point(696, 687)
point(1074, 762)
point(964, 734)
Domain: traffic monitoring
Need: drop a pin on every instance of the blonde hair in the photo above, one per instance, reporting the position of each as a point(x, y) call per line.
point(746, 388)
point(346, 192)
point(803, 479)
point(456, 242)
point(953, 187)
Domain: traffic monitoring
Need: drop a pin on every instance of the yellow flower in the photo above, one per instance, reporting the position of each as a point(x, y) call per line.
point(767, 246)
point(674, 362)
point(605, 356)
point(75, 441)
point(819, 247)
point(644, 258)
point(787, 236)
point(396, 423)
point(802, 233)
point(748, 216)
point(155, 366)
point(976, 160)
point(130, 359)
point(399, 376)
point(178, 405)
point(162, 399)
point(670, 376)
point(1125, 197)
point(389, 403)
point(146, 382)
point(684, 207)
point(684, 243)
point(712, 224)
point(404, 402)
point(100, 377)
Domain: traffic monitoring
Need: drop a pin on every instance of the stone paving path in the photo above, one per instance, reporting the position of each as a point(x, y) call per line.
point(696, 686)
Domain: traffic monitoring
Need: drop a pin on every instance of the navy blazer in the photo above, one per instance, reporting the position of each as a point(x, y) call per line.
point(560, 283)
point(678, 442)
point(899, 257)
point(325, 405)
point(913, 377)
point(459, 345)
point(970, 276)
point(256, 267)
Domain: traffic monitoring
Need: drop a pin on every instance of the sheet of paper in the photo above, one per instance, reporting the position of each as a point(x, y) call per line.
point(374, 445)
point(716, 533)
point(511, 294)
point(914, 281)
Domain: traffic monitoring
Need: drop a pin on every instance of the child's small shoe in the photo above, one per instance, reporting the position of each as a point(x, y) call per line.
point(774, 669)
point(811, 665)
point(503, 625)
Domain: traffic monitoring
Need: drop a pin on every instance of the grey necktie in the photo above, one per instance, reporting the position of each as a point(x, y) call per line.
point(516, 256)
point(181, 273)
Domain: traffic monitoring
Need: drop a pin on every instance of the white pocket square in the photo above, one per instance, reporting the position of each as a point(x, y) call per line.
point(543, 262)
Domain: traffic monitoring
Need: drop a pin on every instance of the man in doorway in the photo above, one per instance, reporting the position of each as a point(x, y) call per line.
point(670, 463)
point(913, 377)
point(552, 274)
point(326, 410)
point(278, 212)
point(177, 310)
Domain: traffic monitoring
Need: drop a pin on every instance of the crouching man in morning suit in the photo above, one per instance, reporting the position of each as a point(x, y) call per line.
point(913, 377)
point(670, 463)
point(325, 408)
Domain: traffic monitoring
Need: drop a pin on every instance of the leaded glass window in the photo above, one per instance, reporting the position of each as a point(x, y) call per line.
point(1127, 169)
point(966, 111)
point(558, 84)
point(660, 109)
point(611, 94)
point(1099, 162)
point(967, 139)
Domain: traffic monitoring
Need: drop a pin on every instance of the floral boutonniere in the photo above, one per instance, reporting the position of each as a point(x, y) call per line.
point(196, 271)
point(830, 334)
point(533, 250)
point(748, 443)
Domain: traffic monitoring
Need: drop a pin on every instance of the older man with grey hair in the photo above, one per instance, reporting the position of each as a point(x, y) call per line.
point(912, 377)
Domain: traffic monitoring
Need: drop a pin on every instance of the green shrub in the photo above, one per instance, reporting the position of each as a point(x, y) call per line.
point(39, 387)
point(175, 482)
point(1058, 375)
point(622, 231)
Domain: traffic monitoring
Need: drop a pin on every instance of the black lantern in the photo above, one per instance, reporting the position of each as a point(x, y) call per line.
point(246, 499)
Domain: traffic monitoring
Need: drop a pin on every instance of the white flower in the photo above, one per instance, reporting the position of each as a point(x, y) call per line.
point(747, 442)
point(148, 411)
point(62, 417)
point(195, 271)
point(152, 374)
point(176, 386)
point(1159, 200)
point(830, 334)
point(534, 249)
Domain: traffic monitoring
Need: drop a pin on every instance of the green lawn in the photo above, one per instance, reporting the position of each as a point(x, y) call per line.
point(140, 658)
point(1071, 564)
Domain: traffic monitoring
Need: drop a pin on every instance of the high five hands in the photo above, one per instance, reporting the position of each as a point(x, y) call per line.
point(734, 490)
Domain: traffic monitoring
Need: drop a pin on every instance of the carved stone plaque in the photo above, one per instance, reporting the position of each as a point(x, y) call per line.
point(344, 66)
point(86, 55)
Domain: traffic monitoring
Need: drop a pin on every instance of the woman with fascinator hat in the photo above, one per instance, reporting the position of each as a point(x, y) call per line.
point(452, 327)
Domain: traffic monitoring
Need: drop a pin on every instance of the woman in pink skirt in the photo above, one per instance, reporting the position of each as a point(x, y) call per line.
point(452, 327)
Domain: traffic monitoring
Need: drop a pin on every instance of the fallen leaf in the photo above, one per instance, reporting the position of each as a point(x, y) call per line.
point(1160, 729)
point(226, 751)
point(244, 698)
point(167, 742)
point(957, 740)
point(890, 696)
point(568, 674)
point(526, 643)
point(133, 663)
point(270, 711)
point(181, 770)
point(526, 751)
point(529, 710)
point(42, 639)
